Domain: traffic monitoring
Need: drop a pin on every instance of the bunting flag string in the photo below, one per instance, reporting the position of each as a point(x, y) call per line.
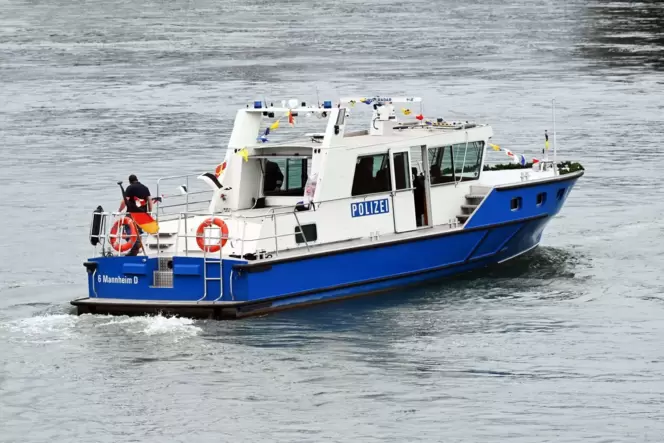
point(274, 126)
point(406, 111)
point(244, 154)
point(519, 159)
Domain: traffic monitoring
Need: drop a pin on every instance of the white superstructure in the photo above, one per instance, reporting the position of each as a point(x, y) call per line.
point(402, 174)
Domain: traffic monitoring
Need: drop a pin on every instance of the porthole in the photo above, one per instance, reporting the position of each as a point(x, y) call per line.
point(541, 198)
point(515, 205)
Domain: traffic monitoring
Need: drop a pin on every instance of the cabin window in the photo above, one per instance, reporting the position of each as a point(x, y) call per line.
point(401, 175)
point(561, 193)
point(285, 177)
point(515, 205)
point(467, 160)
point(440, 164)
point(309, 231)
point(372, 174)
point(541, 198)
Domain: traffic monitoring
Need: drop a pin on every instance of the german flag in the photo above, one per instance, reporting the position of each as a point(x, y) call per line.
point(145, 222)
point(143, 219)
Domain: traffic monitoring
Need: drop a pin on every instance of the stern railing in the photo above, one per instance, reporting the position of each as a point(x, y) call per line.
point(184, 217)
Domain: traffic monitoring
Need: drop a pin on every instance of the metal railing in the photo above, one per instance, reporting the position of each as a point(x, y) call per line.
point(186, 196)
point(106, 238)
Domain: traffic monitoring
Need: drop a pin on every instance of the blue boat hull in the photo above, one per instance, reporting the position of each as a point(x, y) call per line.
point(494, 234)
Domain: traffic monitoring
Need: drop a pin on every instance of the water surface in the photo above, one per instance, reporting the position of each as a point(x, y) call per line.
point(563, 345)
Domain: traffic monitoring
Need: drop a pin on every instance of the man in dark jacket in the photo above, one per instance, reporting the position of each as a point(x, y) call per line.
point(273, 177)
point(137, 199)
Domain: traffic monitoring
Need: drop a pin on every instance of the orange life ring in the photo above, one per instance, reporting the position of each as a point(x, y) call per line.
point(200, 234)
point(130, 240)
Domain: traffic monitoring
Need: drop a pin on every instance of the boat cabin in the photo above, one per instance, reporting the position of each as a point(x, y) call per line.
point(398, 175)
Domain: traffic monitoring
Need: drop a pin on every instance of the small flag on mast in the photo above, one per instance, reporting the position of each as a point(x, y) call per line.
point(220, 169)
point(546, 139)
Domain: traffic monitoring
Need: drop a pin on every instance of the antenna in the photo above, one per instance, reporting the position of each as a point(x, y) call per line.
point(553, 111)
point(317, 98)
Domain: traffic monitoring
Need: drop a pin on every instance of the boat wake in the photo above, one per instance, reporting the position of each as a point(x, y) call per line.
point(542, 263)
point(50, 328)
point(151, 325)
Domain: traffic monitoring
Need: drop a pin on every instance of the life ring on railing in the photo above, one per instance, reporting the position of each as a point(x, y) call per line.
point(118, 233)
point(200, 234)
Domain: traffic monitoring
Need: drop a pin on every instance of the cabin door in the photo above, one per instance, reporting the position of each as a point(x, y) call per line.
point(403, 202)
point(421, 185)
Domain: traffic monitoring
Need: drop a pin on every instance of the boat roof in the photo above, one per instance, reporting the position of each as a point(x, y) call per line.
point(391, 126)
point(359, 139)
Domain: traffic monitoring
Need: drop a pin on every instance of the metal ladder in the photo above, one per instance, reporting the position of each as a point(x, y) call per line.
point(207, 279)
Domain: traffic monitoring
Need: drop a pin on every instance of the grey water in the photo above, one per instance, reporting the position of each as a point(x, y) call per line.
point(562, 345)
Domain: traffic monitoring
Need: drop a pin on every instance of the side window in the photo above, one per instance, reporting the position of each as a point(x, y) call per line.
point(401, 175)
point(372, 174)
point(294, 178)
point(285, 176)
point(440, 162)
point(309, 231)
point(467, 160)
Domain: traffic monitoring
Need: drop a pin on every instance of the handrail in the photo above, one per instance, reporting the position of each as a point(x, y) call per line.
point(465, 152)
point(269, 213)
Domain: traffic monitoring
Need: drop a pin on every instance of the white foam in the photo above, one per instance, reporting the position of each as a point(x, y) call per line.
point(60, 324)
point(153, 325)
point(63, 326)
point(168, 325)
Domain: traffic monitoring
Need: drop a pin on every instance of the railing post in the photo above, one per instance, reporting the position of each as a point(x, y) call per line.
point(394, 213)
point(177, 233)
point(244, 229)
point(186, 195)
point(186, 236)
point(276, 239)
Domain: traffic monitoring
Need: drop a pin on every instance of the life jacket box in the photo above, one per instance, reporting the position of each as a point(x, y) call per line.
point(97, 226)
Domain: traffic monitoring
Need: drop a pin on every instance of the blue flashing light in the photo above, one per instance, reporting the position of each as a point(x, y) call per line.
point(258, 104)
point(327, 104)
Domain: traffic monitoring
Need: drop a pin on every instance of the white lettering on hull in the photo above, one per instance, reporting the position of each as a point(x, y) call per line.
point(103, 278)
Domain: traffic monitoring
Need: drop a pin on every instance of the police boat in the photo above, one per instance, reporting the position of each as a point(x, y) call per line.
point(324, 216)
